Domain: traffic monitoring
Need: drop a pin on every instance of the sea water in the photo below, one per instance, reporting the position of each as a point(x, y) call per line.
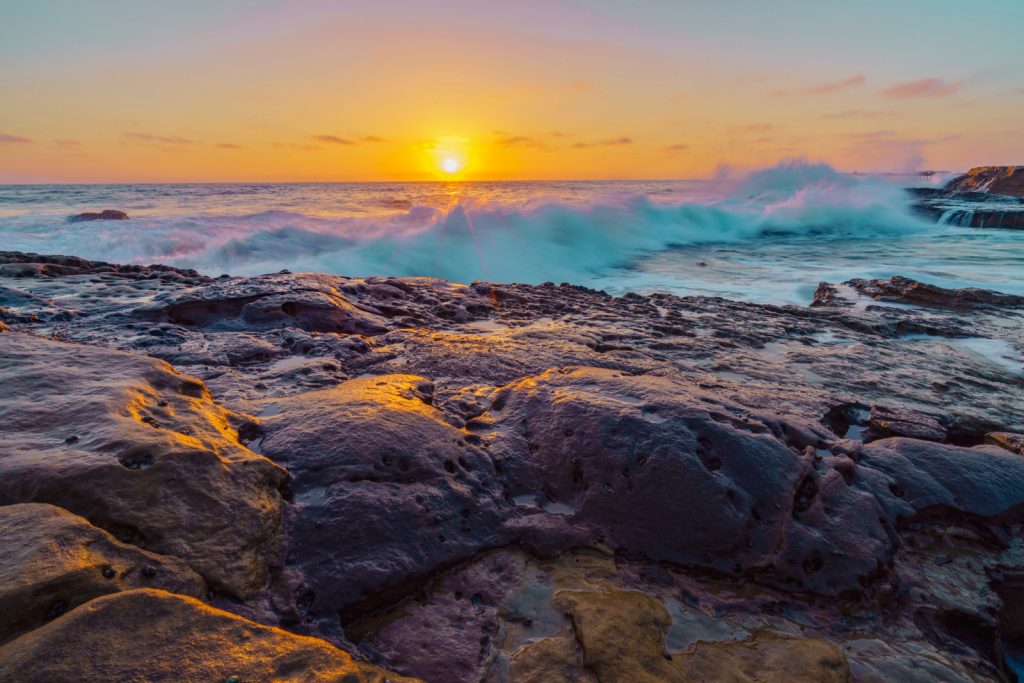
point(769, 237)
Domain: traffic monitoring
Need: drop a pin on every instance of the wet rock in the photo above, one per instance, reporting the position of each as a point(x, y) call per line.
point(1005, 180)
point(621, 637)
point(319, 303)
point(885, 422)
point(906, 290)
point(105, 215)
point(425, 494)
point(1011, 442)
point(224, 515)
point(153, 635)
point(828, 295)
point(49, 556)
point(981, 486)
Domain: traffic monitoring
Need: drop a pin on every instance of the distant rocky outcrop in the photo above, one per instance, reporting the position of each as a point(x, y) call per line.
point(984, 197)
point(105, 215)
point(1006, 180)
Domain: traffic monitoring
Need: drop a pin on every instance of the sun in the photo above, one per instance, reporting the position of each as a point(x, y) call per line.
point(450, 165)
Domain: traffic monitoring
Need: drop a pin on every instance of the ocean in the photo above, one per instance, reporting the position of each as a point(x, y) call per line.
point(769, 237)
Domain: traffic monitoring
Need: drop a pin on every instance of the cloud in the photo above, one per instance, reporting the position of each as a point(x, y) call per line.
point(924, 87)
point(228, 145)
point(7, 137)
point(67, 143)
point(166, 139)
point(333, 139)
point(753, 128)
point(503, 139)
point(373, 138)
point(611, 142)
point(826, 88)
point(676, 148)
point(853, 114)
point(581, 85)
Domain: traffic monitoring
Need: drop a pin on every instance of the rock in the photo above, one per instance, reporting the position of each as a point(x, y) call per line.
point(319, 303)
point(621, 637)
point(52, 560)
point(1011, 442)
point(532, 482)
point(105, 215)
point(984, 483)
point(424, 492)
point(977, 209)
point(906, 290)
point(1006, 180)
point(153, 635)
point(767, 658)
point(141, 452)
point(885, 422)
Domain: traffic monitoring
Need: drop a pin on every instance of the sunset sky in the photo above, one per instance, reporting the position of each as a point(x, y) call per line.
point(271, 90)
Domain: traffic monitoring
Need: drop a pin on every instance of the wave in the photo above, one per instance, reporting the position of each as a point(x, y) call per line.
point(477, 239)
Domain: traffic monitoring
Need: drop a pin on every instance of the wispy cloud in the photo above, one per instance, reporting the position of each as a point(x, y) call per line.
point(228, 145)
point(333, 139)
point(67, 143)
point(924, 87)
point(504, 139)
point(826, 88)
point(853, 114)
point(373, 139)
point(611, 142)
point(18, 139)
point(165, 139)
point(677, 148)
point(581, 85)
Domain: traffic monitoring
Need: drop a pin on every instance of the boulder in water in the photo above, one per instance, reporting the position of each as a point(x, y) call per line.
point(105, 215)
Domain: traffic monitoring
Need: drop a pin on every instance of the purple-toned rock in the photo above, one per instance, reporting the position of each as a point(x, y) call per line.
point(105, 215)
point(906, 290)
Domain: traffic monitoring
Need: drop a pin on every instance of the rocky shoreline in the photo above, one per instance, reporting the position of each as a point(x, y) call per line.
point(316, 477)
point(984, 197)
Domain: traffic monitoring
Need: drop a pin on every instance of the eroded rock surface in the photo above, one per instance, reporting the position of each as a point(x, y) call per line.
point(519, 483)
point(153, 635)
point(140, 451)
point(51, 561)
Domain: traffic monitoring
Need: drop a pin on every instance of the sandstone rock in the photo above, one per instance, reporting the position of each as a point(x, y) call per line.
point(152, 635)
point(621, 636)
point(1007, 180)
point(105, 215)
point(1011, 442)
point(51, 561)
point(139, 451)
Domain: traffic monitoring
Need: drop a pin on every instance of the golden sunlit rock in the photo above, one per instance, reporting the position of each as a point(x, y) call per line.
point(152, 635)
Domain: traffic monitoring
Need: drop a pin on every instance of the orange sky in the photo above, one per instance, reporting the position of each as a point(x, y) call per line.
point(289, 91)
